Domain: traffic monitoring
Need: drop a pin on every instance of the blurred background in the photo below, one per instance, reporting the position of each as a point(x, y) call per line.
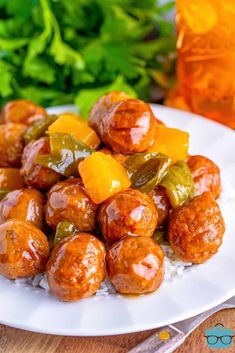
point(57, 52)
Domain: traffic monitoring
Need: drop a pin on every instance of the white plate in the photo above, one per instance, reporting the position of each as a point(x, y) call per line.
point(195, 291)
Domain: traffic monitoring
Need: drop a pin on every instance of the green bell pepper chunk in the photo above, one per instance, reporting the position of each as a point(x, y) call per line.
point(63, 230)
point(39, 128)
point(66, 153)
point(146, 170)
point(178, 183)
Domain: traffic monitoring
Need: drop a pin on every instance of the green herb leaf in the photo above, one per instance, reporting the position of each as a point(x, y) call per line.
point(37, 68)
point(12, 44)
point(6, 80)
point(60, 52)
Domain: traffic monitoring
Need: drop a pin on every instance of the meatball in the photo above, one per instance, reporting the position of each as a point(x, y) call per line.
point(128, 212)
point(24, 249)
point(196, 229)
point(162, 204)
point(34, 174)
point(76, 267)
point(135, 265)
point(129, 127)
point(10, 179)
point(206, 175)
point(22, 111)
point(69, 201)
point(11, 144)
point(25, 205)
point(102, 106)
point(120, 158)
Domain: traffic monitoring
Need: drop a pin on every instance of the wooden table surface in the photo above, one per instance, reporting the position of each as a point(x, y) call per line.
point(19, 341)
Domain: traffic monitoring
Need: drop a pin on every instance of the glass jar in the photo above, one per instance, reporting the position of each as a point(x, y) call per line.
point(206, 57)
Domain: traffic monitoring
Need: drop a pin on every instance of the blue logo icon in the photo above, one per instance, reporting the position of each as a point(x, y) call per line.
point(219, 336)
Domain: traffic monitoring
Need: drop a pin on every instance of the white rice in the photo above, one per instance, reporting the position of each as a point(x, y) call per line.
point(173, 267)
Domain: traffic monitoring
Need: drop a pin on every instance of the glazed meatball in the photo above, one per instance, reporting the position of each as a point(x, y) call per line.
point(162, 204)
point(68, 201)
point(24, 249)
point(196, 229)
point(128, 212)
point(135, 265)
point(120, 158)
point(25, 205)
point(76, 267)
point(102, 106)
point(206, 175)
point(11, 144)
point(34, 174)
point(10, 179)
point(22, 111)
point(129, 127)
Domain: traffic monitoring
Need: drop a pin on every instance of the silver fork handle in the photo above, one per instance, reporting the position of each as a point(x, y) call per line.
point(164, 340)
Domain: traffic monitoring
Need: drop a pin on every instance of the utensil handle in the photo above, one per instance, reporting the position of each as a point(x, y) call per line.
point(165, 340)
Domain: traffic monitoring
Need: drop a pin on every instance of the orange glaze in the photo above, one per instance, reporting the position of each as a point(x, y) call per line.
point(11, 144)
point(34, 174)
point(22, 111)
point(10, 179)
point(76, 268)
point(102, 106)
point(128, 212)
point(162, 204)
point(25, 205)
point(206, 175)
point(69, 201)
point(24, 249)
point(196, 229)
point(129, 127)
point(127, 218)
point(135, 265)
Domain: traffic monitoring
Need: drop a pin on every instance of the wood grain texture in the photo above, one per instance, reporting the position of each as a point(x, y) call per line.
point(19, 341)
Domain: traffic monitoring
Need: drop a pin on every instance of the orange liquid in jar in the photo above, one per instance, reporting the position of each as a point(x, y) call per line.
point(206, 57)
